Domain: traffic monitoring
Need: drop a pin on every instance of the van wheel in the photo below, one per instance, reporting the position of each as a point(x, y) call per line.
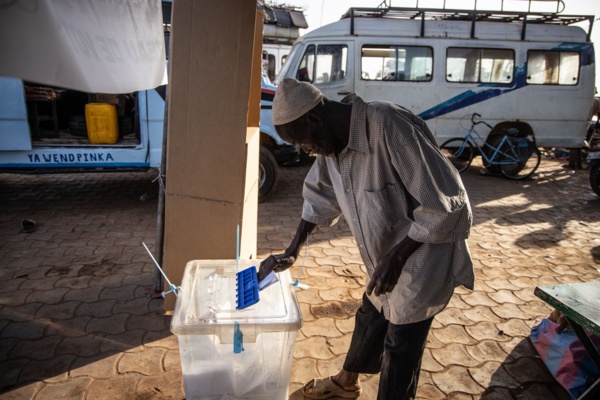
point(495, 137)
point(268, 173)
point(77, 125)
point(595, 178)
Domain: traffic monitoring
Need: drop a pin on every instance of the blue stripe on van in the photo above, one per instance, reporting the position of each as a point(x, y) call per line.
point(470, 97)
point(491, 90)
point(587, 51)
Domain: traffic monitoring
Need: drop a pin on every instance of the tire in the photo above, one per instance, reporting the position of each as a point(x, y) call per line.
point(268, 174)
point(496, 135)
point(595, 178)
point(459, 152)
point(529, 158)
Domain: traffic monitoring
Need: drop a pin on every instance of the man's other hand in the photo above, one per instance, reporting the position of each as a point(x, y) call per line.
point(385, 278)
point(388, 270)
point(275, 262)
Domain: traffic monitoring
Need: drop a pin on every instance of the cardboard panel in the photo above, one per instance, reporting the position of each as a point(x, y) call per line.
point(212, 155)
point(252, 162)
point(211, 68)
point(250, 210)
point(197, 229)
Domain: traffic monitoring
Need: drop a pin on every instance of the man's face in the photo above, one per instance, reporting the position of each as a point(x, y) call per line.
point(312, 134)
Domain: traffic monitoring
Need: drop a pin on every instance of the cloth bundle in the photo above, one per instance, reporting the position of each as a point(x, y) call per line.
point(565, 356)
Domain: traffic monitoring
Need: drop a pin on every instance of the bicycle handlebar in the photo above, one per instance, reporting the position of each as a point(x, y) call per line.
point(479, 122)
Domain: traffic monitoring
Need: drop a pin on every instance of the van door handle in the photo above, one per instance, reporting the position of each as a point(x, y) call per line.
point(344, 93)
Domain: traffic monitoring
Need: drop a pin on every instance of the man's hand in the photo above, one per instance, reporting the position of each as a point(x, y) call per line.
point(281, 262)
point(275, 262)
point(388, 270)
point(386, 275)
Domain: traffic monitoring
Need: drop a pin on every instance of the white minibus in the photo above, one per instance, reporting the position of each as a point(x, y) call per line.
point(532, 71)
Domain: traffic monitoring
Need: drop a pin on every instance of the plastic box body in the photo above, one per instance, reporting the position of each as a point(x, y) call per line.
point(101, 122)
point(204, 320)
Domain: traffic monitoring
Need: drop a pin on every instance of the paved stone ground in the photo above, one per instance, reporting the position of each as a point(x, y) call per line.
point(76, 323)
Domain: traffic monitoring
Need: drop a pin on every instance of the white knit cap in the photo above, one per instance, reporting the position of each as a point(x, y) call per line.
point(293, 99)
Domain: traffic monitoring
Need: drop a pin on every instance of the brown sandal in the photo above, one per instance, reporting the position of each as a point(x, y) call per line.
point(326, 388)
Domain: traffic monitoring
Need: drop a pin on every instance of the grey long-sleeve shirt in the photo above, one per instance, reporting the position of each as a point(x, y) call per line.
point(389, 182)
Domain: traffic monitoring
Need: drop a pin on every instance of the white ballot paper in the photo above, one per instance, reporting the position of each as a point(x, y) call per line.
point(268, 280)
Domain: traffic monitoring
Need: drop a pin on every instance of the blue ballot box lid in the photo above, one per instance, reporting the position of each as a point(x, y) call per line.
point(246, 288)
point(207, 303)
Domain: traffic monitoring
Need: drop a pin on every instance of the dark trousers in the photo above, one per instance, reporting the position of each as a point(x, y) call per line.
point(394, 351)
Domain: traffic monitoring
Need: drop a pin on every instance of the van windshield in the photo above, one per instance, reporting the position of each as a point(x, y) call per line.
point(289, 61)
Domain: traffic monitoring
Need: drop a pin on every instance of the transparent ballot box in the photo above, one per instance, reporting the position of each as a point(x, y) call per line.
point(216, 364)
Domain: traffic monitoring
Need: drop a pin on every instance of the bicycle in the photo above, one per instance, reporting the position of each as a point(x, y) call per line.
point(517, 157)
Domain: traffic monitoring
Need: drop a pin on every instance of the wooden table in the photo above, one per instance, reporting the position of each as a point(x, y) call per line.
point(580, 303)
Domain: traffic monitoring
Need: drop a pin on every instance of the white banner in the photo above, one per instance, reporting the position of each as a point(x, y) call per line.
point(98, 46)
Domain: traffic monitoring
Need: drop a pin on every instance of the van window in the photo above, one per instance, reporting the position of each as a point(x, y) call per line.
point(305, 71)
point(396, 63)
point(269, 65)
point(478, 65)
point(296, 48)
point(324, 63)
point(551, 67)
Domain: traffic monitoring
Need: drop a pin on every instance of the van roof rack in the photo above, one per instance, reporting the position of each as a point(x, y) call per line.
point(474, 15)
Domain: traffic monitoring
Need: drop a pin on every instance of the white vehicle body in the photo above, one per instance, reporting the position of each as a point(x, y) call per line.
point(533, 71)
point(24, 146)
point(274, 56)
point(281, 27)
point(37, 132)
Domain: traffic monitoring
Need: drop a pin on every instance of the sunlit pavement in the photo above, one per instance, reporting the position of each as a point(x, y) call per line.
point(76, 321)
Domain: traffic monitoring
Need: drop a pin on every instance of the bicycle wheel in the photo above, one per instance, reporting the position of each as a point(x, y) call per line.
point(459, 151)
point(519, 158)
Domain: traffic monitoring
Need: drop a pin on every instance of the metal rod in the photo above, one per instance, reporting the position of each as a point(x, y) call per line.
point(157, 266)
point(162, 172)
point(237, 248)
point(160, 212)
point(592, 392)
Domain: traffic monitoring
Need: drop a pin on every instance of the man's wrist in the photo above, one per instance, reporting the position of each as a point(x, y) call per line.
point(291, 253)
point(405, 249)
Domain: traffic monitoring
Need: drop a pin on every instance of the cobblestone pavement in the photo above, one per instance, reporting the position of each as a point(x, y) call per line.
point(76, 322)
